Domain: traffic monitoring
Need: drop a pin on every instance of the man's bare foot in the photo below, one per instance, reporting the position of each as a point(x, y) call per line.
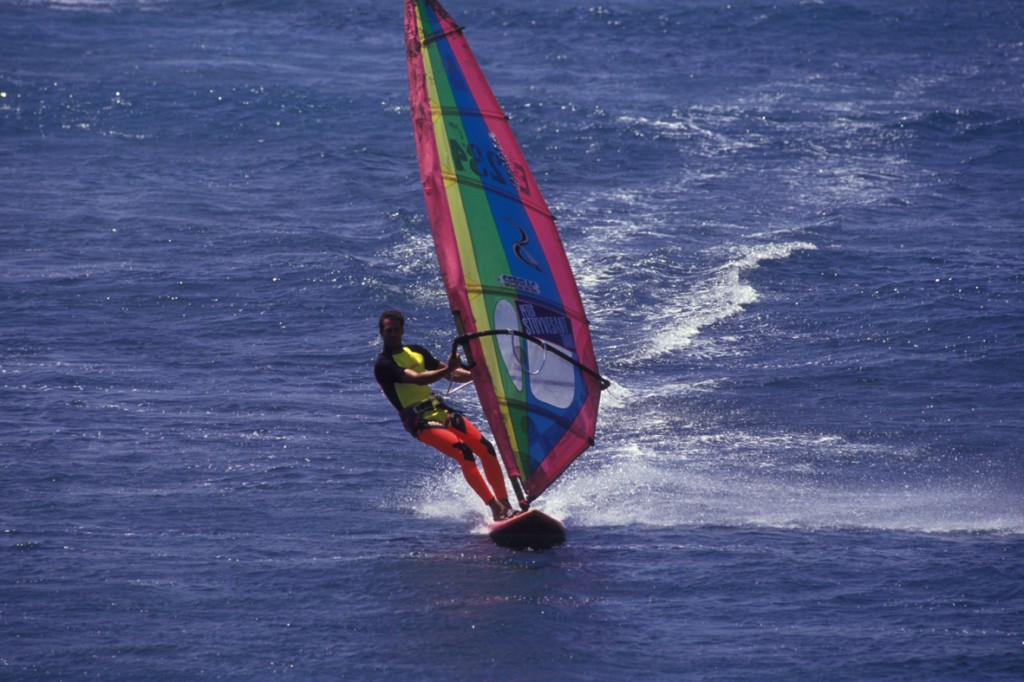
point(500, 509)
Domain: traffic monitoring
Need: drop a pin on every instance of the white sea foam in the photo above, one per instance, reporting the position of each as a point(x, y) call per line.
point(786, 480)
point(691, 127)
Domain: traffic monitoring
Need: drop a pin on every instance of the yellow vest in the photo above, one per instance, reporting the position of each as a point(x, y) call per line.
point(411, 395)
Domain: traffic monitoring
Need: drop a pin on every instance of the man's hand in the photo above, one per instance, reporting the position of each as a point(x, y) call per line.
point(454, 362)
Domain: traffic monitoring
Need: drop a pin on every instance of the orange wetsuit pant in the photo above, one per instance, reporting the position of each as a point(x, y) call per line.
point(459, 439)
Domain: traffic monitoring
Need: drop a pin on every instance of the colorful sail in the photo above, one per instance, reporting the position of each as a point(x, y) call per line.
point(508, 280)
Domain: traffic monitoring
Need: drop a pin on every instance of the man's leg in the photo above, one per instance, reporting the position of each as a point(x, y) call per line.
point(488, 457)
point(450, 443)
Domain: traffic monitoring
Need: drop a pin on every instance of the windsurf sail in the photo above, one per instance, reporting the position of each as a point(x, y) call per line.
point(511, 290)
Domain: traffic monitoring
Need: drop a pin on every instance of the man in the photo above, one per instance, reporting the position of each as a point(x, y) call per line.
point(404, 374)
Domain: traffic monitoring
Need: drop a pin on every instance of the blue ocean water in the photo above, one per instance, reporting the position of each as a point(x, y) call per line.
point(797, 230)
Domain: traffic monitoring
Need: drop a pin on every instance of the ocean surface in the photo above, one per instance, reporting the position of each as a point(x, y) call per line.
point(798, 228)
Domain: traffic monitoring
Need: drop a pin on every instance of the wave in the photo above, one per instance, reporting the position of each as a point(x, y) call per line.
point(721, 295)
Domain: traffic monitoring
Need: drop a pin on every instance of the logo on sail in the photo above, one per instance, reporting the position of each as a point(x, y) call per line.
point(519, 248)
point(520, 283)
point(544, 323)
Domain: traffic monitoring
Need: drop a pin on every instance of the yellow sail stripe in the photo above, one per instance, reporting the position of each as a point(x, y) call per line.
point(460, 224)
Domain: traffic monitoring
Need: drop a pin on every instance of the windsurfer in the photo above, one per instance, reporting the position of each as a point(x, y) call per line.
point(404, 373)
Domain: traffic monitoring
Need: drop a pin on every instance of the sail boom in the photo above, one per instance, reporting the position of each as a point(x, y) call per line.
point(461, 341)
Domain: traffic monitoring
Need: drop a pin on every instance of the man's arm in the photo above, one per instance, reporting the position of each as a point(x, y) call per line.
point(453, 370)
point(461, 375)
point(426, 377)
point(387, 370)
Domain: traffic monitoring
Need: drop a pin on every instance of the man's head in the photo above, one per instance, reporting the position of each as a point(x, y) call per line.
point(393, 315)
point(392, 327)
